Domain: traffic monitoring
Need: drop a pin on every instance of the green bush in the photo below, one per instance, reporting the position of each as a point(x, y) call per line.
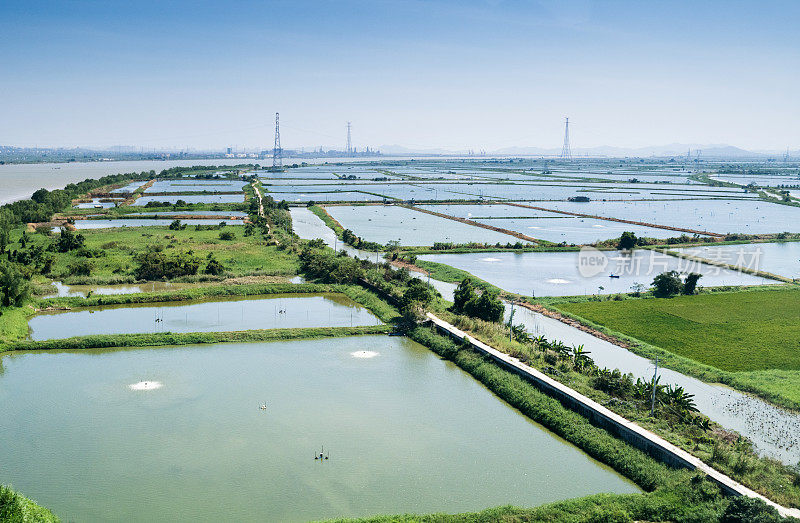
point(14, 288)
point(156, 265)
point(749, 510)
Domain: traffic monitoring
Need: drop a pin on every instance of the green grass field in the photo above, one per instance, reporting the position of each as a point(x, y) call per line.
point(244, 255)
point(737, 332)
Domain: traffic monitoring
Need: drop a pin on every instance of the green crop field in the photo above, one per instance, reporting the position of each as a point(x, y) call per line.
point(737, 332)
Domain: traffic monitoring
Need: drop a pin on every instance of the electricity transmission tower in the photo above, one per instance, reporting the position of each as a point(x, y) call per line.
point(349, 141)
point(277, 157)
point(566, 153)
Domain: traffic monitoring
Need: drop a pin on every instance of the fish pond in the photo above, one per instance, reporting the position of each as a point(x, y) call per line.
point(178, 433)
point(271, 312)
point(192, 198)
point(186, 186)
point(148, 222)
point(559, 274)
point(382, 224)
point(717, 216)
point(60, 290)
point(781, 258)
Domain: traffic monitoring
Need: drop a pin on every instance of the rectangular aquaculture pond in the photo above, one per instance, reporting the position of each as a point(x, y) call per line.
point(382, 224)
point(718, 216)
point(560, 273)
point(195, 186)
point(270, 312)
point(178, 434)
point(781, 258)
point(149, 222)
point(192, 198)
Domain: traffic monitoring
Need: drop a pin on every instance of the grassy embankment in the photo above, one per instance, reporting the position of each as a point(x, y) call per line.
point(447, 273)
point(746, 339)
point(335, 226)
point(194, 338)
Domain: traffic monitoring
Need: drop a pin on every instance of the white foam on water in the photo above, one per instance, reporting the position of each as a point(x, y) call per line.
point(557, 280)
point(364, 354)
point(534, 227)
point(490, 259)
point(146, 385)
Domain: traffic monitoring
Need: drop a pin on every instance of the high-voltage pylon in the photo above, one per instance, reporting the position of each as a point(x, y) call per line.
point(566, 153)
point(277, 156)
point(349, 141)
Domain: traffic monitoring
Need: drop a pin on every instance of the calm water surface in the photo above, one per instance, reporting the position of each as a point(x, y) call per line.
point(406, 432)
point(149, 222)
point(82, 291)
point(21, 180)
point(557, 274)
point(274, 312)
point(382, 224)
point(781, 258)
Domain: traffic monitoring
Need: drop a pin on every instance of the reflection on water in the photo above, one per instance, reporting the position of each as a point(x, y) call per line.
point(82, 291)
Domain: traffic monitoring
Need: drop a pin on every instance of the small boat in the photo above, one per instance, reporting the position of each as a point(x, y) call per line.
point(613, 275)
point(263, 406)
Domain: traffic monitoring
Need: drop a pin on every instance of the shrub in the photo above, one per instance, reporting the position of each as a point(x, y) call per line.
point(80, 268)
point(667, 284)
point(13, 286)
point(213, 267)
point(690, 285)
point(227, 236)
point(68, 241)
point(627, 241)
point(749, 510)
point(486, 306)
point(154, 264)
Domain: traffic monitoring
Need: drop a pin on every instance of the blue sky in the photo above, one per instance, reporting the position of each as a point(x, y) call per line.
point(481, 75)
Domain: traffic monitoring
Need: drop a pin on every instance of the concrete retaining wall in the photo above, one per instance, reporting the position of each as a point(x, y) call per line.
point(599, 415)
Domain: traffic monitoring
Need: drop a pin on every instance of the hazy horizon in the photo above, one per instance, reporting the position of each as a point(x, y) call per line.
point(422, 75)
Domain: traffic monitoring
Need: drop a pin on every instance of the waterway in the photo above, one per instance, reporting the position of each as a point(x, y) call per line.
point(773, 430)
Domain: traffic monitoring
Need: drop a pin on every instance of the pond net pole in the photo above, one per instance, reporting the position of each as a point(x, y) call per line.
point(653, 392)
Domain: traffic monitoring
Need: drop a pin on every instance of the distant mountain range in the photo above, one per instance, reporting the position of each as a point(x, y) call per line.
point(673, 149)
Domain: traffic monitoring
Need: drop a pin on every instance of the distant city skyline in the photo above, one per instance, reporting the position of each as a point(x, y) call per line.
point(421, 75)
